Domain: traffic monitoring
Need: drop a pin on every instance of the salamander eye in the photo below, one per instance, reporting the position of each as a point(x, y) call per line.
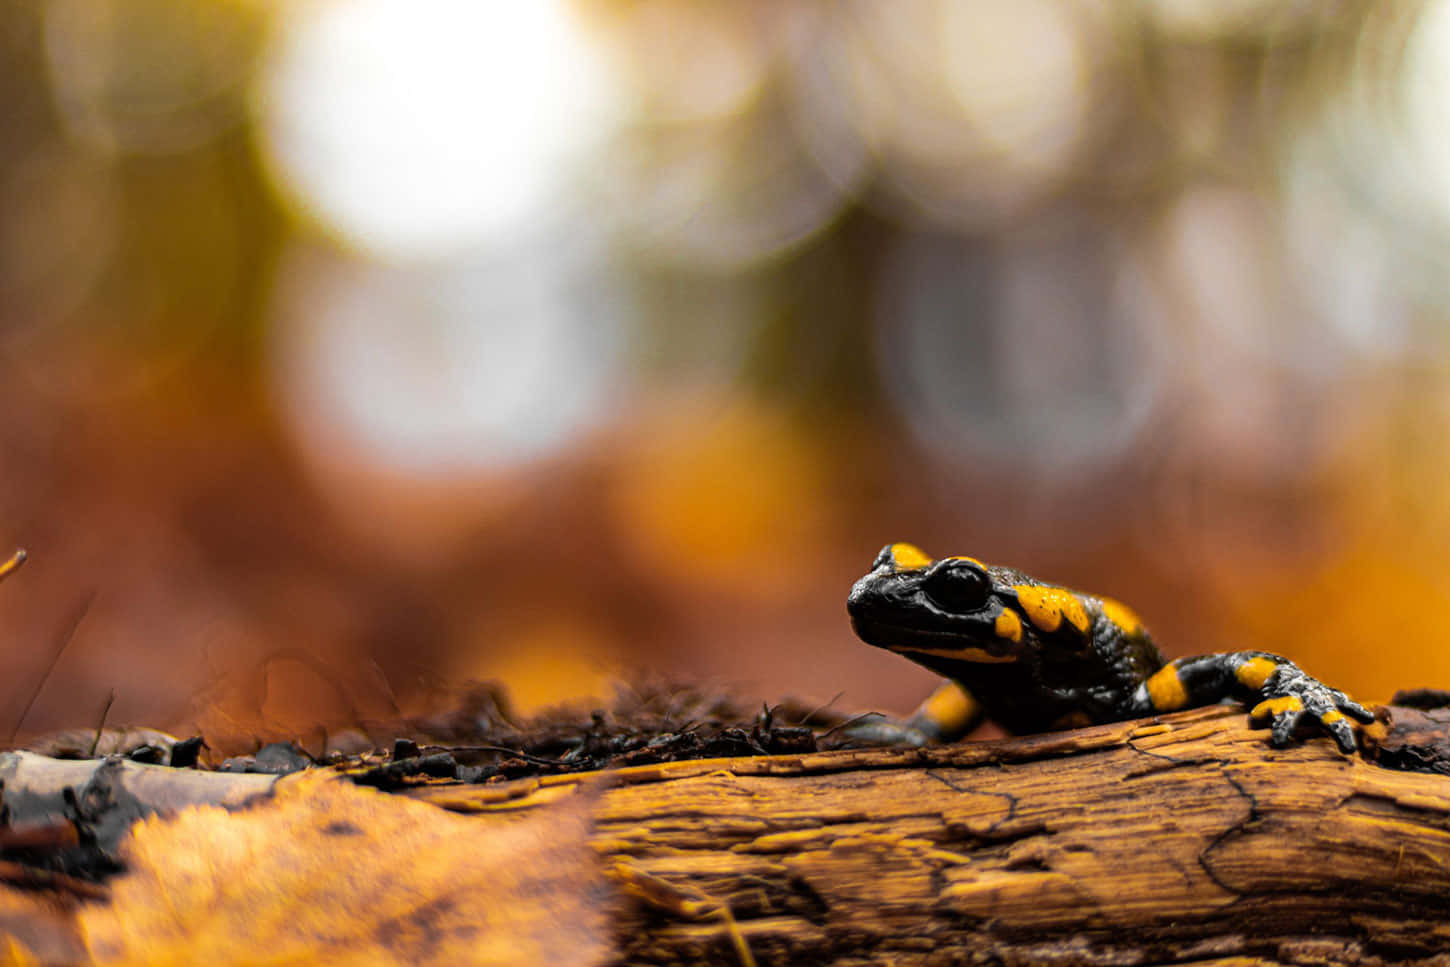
point(958, 586)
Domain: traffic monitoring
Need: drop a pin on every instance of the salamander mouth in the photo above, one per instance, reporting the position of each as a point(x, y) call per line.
point(944, 643)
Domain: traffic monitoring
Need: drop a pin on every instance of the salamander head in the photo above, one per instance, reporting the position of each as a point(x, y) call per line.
point(946, 611)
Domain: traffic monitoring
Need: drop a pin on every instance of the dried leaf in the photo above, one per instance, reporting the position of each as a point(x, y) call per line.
point(38, 928)
point(327, 872)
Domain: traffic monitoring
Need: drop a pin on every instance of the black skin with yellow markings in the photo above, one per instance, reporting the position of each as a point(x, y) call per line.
point(1034, 657)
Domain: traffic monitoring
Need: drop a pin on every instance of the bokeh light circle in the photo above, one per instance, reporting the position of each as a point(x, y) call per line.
point(1018, 357)
point(447, 370)
point(417, 129)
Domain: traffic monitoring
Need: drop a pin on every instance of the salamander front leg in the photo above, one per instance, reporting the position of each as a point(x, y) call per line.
point(950, 713)
point(1278, 691)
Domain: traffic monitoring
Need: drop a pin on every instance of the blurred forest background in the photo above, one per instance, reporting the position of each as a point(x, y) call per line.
point(350, 349)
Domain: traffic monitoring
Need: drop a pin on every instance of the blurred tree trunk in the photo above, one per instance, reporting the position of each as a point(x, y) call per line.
point(1186, 839)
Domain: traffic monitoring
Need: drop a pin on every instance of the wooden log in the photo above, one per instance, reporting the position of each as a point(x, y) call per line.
point(1185, 839)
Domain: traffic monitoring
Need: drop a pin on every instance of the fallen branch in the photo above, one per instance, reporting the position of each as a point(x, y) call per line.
point(1185, 839)
point(1172, 841)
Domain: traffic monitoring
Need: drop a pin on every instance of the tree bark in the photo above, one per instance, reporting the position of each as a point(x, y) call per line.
point(1184, 839)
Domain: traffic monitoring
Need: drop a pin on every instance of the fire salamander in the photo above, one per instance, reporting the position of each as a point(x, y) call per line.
point(1034, 657)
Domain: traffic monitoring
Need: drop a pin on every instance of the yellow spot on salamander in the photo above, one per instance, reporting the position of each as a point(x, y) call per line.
point(1046, 607)
point(1254, 672)
point(950, 708)
point(969, 560)
point(1123, 616)
point(1276, 706)
point(1008, 626)
point(1038, 605)
point(909, 557)
point(1074, 612)
point(983, 655)
point(1331, 716)
point(1165, 689)
point(962, 654)
point(15, 560)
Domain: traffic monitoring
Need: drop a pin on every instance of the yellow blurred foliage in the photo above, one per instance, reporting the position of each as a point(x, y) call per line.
point(1366, 621)
point(735, 499)
point(1370, 613)
point(552, 660)
point(38, 928)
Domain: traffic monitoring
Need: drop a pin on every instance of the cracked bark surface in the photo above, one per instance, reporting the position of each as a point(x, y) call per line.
point(1184, 839)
